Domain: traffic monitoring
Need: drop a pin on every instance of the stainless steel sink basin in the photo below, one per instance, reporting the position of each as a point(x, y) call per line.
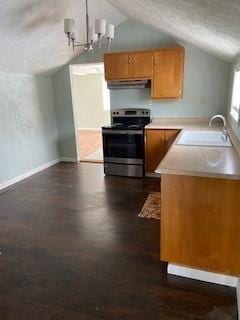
point(204, 138)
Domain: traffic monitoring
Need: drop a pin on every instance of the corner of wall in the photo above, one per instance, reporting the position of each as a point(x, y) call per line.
point(64, 113)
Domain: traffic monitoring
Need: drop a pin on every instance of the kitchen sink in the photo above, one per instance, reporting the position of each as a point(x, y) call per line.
point(204, 138)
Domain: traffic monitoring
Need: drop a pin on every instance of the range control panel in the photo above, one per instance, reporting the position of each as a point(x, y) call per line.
point(130, 112)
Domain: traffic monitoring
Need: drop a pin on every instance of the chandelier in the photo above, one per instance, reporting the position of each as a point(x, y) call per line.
point(101, 35)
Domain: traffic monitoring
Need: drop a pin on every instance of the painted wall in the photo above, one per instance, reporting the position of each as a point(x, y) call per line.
point(231, 121)
point(28, 134)
point(88, 92)
point(205, 88)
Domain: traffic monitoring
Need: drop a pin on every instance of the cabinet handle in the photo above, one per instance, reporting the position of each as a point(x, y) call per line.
point(131, 61)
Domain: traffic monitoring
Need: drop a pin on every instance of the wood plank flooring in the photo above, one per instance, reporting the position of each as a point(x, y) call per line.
point(90, 144)
point(73, 248)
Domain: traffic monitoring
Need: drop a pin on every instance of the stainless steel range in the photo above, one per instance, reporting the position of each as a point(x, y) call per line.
point(123, 142)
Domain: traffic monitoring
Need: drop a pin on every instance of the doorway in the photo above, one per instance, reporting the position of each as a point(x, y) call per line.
point(91, 104)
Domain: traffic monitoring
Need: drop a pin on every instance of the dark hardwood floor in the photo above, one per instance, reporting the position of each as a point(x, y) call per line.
point(73, 248)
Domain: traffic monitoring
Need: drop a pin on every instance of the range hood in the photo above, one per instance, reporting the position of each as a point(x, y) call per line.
point(128, 84)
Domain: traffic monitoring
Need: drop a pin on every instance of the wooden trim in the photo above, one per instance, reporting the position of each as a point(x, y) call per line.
point(146, 50)
point(165, 98)
point(170, 48)
point(129, 52)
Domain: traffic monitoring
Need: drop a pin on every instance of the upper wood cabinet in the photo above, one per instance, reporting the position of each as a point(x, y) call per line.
point(116, 66)
point(132, 65)
point(140, 65)
point(168, 73)
point(164, 67)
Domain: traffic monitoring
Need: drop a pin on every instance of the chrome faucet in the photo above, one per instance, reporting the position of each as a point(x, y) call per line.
point(219, 116)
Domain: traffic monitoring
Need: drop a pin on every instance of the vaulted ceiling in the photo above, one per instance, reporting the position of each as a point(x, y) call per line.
point(32, 38)
point(213, 25)
point(31, 32)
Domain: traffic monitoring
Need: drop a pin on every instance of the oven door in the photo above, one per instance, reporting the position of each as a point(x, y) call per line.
point(123, 146)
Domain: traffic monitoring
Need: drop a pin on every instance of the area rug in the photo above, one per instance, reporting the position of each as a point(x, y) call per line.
point(151, 208)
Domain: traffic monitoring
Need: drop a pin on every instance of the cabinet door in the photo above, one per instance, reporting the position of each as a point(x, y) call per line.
point(170, 136)
point(140, 65)
point(154, 149)
point(116, 66)
point(168, 73)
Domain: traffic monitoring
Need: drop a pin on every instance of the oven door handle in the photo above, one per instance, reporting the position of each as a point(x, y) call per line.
point(123, 132)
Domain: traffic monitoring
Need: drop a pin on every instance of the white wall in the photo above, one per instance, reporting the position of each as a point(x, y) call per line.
point(88, 96)
point(28, 129)
point(231, 121)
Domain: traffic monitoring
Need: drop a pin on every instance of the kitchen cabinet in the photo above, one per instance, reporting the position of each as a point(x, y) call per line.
point(164, 67)
point(157, 143)
point(170, 136)
point(168, 73)
point(200, 223)
point(128, 65)
point(154, 148)
point(116, 66)
point(140, 65)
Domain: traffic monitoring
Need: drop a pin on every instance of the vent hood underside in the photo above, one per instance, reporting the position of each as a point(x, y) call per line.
point(128, 84)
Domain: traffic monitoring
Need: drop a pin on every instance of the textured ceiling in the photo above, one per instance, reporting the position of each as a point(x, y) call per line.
point(31, 32)
point(213, 25)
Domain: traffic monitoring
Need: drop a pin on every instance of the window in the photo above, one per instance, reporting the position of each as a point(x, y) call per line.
point(235, 104)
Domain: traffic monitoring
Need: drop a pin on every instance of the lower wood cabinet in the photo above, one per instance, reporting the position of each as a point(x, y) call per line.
point(200, 223)
point(157, 143)
point(170, 136)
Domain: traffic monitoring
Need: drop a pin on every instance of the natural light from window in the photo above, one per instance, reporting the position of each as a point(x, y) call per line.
point(235, 104)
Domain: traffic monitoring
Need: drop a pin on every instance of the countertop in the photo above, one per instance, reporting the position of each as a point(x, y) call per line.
point(212, 162)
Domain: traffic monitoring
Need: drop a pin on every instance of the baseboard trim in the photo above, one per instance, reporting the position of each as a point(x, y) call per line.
point(201, 275)
point(68, 159)
point(27, 174)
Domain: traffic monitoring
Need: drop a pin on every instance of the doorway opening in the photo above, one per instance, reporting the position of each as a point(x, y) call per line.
point(91, 106)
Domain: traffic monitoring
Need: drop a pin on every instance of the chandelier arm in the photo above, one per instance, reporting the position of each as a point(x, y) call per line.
point(69, 29)
point(87, 22)
point(80, 45)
